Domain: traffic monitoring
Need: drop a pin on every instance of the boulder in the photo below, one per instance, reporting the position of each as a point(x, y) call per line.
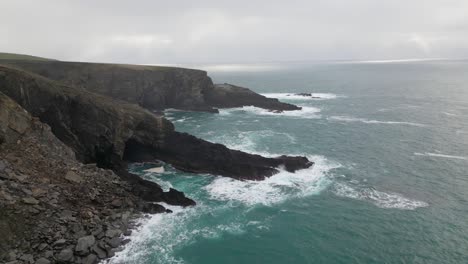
point(42, 261)
point(72, 176)
point(65, 256)
point(84, 244)
point(30, 200)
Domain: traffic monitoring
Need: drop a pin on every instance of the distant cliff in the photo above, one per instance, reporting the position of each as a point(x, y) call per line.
point(152, 87)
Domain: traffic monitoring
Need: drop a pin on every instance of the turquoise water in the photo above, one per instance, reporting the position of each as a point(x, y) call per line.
point(390, 183)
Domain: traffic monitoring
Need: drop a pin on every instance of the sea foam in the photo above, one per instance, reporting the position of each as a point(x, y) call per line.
point(275, 189)
point(307, 112)
point(296, 97)
point(379, 198)
point(369, 121)
point(439, 155)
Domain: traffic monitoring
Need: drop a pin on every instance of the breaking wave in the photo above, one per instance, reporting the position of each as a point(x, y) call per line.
point(277, 188)
point(438, 155)
point(367, 121)
point(306, 112)
point(294, 96)
point(379, 198)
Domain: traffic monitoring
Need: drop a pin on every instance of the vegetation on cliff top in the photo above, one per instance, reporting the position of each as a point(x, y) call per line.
point(14, 56)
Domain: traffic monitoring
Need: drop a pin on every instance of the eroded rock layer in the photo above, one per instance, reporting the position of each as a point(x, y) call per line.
point(152, 87)
point(54, 209)
point(102, 130)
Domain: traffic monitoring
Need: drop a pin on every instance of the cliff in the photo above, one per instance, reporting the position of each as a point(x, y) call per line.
point(50, 203)
point(152, 87)
point(108, 132)
point(228, 96)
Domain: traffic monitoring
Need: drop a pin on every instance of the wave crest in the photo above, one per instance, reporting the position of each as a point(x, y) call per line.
point(275, 189)
point(380, 199)
point(296, 97)
point(307, 112)
point(368, 121)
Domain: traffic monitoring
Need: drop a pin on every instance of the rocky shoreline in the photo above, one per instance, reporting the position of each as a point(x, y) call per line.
point(66, 195)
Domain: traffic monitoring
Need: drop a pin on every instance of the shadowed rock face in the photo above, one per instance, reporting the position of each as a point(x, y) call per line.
point(188, 153)
point(228, 95)
point(51, 202)
point(152, 87)
point(107, 132)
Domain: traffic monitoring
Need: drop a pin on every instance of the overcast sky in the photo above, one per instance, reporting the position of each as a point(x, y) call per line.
point(234, 31)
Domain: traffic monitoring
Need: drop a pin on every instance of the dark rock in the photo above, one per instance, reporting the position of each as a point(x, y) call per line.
point(153, 208)
point(116, 203)
point(66, 255)
point(154, 88)
point(228, 96)
point(307, 95)
point(183, 152)
point(42, 246)
point(99, 252)
point(111, 233)
point(177, 198)
point(84, 244)
point(115, 242)
point(30, 200)
point(73, 177)
point(42, 261)
point(304, 94)
point(48, 254)
point(90, 259)
point(28, 258)
point(2, 165)
point(59, 243)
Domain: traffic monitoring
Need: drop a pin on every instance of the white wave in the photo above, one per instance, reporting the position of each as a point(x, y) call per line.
point(367, 121)
point(380, 199)
point(306, 112)
point(248, 141)
point(398, 108)
point(293, 96)
point(438, 155)
point(160, 235)
point(449, 114)
point(276, 189)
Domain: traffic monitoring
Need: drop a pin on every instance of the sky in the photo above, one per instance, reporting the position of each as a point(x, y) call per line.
point(218, 31)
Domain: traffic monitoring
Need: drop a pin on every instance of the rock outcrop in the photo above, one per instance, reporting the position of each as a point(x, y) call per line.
point(228, 96)
point(152, 87)
point(107, 132)
point(54, 209)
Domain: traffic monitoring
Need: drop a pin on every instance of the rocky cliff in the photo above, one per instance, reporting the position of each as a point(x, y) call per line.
point(152, 87)
point(108, 132)
point(228, 96)
point(54, 209)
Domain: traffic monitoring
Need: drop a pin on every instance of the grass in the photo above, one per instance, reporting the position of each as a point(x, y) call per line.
point(13, 56)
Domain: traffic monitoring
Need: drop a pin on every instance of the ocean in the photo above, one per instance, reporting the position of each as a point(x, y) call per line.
point(389, 185)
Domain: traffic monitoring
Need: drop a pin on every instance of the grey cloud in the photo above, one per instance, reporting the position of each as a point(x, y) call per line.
point(148, 31)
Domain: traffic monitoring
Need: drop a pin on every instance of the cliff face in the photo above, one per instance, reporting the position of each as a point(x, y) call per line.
point(108, 132)
point(49, 202)
point(152, 87)
point(96, 127)
point(228, 95)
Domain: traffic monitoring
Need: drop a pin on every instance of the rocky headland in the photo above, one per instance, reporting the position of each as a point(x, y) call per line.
point(67, 133)
point(152, 87)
